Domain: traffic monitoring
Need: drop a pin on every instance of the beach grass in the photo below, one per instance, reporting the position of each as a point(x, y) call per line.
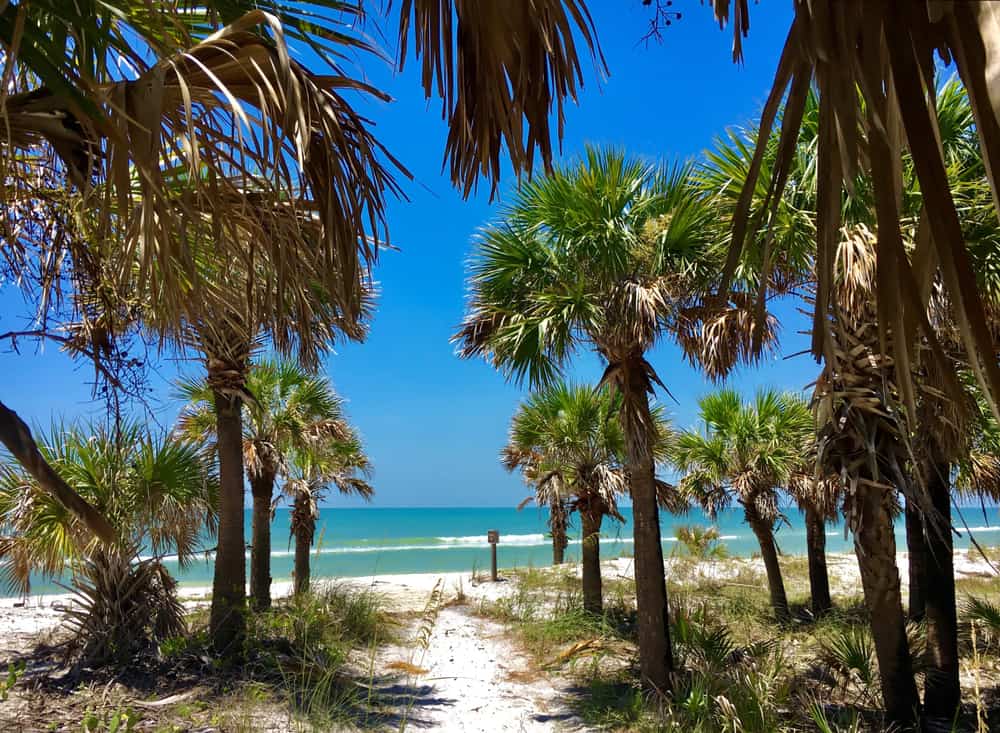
point(743, 669)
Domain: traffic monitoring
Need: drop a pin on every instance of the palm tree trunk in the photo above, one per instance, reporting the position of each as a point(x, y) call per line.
point(916, 559)
point(769, 552)
point(819, 578)
point(227, 620)
point(303, 527)
point(262, 489)
point(557, 524)
point(875, 546)
point(591, 560)
point(656, 662)
point(942, 691)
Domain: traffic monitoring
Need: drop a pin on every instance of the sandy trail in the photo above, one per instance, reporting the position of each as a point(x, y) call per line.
point(476, 680)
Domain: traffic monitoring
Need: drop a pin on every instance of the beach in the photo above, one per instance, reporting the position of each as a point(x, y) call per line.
point(469, 673)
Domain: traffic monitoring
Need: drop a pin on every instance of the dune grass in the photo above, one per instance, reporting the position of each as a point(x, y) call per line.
point(741, 669)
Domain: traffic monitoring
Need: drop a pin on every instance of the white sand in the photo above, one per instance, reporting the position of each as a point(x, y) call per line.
point(469, 677)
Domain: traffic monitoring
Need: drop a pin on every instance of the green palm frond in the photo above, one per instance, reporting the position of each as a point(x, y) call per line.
point(155, 489)
point(745, 451)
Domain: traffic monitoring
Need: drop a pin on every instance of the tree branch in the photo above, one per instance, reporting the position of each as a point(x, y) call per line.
point(16, 436)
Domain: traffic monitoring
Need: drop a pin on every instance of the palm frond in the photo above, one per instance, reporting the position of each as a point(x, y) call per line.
point(499, 70)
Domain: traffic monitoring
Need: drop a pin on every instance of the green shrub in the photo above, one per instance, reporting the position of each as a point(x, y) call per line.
point(699, 542)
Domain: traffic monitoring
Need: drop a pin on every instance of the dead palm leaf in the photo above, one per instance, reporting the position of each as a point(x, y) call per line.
point(885, 51)
point(499, 69)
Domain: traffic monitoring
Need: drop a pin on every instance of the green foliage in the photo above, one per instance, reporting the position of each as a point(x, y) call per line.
point(850, 723)
point(14, 672)
point(602, 251)
point(699, 542)
point(986, 616)
point(745, 451)
point(726, 686)
point(119, 721)
point(850, 654)
point(156, 491)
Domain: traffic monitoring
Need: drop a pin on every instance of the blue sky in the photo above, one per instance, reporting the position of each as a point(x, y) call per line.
point(433, 423)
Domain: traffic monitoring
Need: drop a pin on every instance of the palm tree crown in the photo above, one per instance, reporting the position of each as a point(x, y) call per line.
point(746, 452)
point(289, 404)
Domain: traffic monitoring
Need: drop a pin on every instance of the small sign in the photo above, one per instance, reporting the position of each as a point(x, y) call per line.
point(493, 536)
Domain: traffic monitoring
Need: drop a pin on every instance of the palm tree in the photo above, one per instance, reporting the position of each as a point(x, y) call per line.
point(861, 438)
point(606, 252)
point(160, 495)
point(334, 459)
point(784, 231)
point(558, 519)
point(568, 443)
point(151, 113)
point(872, 66)
point(289, 404)
point(819, 499)
point(746, 452)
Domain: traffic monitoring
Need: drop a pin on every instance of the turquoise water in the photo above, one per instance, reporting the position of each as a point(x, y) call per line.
point(366, 541)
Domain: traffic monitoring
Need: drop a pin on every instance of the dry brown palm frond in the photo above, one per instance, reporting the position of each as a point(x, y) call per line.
point(476, 333)
point(717, 337)
point(201, 138)
point(635, 310)
point(885, 51)
point(982, 477)
point(821, 493)
point(499, 69)
point(863, 434)
point(671, 498)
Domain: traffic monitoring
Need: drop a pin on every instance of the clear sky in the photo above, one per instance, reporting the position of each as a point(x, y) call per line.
point(432, 423)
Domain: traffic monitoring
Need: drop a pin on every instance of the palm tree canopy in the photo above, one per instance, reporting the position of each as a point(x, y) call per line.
point(157, 491)
point(568, 443)
point(325, 462)
point(289, 407)
point(611, 251)
point(745, 451)
point(884, 52)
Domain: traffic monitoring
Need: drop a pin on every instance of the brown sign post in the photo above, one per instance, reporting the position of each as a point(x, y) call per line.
point(493, 537)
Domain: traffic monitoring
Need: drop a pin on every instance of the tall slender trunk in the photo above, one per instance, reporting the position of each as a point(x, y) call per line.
point(916, 560)
point(942, 691)
point(591, 560)
point(875, 546)
point(303, 527)
point(557, 524)
point(819, 578)
point(262, 489)
point(656, 662)
point(227, 619)
point(769, 552)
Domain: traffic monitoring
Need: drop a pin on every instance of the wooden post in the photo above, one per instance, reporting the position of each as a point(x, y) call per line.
point(493, 537)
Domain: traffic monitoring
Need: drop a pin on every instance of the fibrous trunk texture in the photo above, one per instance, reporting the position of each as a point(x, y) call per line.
point(591, 561)
point(557, 524)
point(262, 489)
point(229, 585)
point(942, 690)
point(303, 527)
point(769, 553)
point(819, 578)
point(916, 560)
point(655, 655)
point(875, 545)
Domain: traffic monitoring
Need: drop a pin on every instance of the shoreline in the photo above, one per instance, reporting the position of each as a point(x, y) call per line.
point(41, 613)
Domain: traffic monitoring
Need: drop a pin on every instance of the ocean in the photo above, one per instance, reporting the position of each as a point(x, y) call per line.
point(353, 542)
